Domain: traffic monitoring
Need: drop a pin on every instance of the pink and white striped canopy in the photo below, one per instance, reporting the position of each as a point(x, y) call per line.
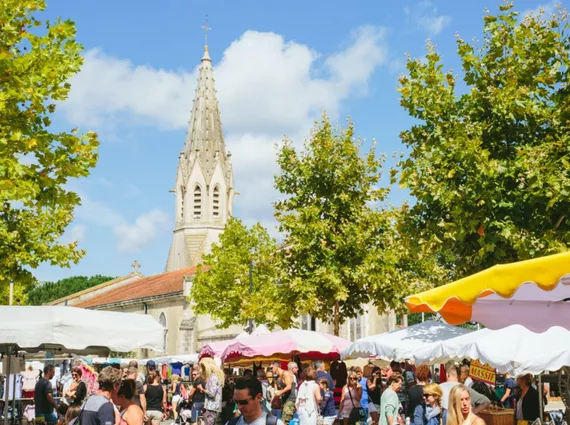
point(305, 344)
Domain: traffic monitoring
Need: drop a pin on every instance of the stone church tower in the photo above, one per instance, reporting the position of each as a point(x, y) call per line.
point(204, 180)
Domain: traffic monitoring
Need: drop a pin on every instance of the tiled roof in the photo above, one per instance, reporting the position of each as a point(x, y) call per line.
point(151, 286)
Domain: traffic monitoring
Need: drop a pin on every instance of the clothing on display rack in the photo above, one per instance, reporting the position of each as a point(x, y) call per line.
point(339, 373)
point(29, 379)
point(19, 380)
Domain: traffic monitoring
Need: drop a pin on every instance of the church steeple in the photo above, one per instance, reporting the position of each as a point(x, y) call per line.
point(204, 135)
point(204, 182)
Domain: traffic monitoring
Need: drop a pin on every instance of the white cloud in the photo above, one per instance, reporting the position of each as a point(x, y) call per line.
point(77, 233)
point(129, 237)
point(132, 237)
point(547, 9)
point(267, 87)
point(425, 16)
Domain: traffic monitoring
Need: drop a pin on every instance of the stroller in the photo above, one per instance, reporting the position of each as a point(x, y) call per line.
point(184, 410)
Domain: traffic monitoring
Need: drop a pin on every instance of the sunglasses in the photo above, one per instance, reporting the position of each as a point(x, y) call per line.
point(74, 375)
point(353, 379)
point(427, 395)
point(243, 402)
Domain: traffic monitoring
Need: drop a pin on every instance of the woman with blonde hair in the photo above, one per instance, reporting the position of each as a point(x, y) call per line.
point(214, 377)
point(350, 398)
point(459, 412)
point(430, 411)
point(175, 390)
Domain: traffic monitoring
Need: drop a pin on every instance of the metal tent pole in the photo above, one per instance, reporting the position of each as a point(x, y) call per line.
point(7, 384)
point(540, 398)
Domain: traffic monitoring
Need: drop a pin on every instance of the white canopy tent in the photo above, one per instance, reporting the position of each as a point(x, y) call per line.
point(74, 331)
point(402, 343)
point(175, 358)
point(513, 349)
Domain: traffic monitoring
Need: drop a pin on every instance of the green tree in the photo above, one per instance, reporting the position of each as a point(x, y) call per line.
point(36, 61)
point(489, 164)
point(339, 238)
point(51, 291)
point(221, 285)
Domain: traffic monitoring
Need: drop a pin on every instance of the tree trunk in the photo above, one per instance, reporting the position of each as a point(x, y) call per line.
point(336, 322)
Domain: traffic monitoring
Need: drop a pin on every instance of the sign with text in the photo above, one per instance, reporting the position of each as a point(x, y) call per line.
point(482, 372)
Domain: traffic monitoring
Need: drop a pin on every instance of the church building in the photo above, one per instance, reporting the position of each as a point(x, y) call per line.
point(204, 195)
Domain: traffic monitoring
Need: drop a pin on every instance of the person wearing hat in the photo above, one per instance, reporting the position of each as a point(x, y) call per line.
point(142, 380)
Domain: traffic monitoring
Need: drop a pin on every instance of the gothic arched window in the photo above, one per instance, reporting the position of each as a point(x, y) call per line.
point(216, 202)
point(162, 321)
point(197, 202)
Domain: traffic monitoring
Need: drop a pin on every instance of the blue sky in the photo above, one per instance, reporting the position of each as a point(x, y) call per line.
point(277, 66)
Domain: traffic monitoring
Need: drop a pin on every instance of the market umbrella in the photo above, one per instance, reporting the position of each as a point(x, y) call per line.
point(513, 349)
point(504, 295)
point(400, 344)
point(305, 344)
point(215, 349)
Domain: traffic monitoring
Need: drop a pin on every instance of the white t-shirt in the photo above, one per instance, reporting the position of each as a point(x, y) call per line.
point(446, 388)
point(468, 382)
point(258, 421)
point(30, 378)
point(306, 396)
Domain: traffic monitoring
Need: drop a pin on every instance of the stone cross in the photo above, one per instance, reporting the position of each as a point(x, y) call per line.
point(206, 28)
point(135, 266)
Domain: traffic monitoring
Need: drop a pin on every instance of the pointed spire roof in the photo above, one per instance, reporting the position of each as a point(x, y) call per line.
point(204, 137)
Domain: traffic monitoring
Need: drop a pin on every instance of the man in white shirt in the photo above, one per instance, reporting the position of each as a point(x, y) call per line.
point(247, 395)
point(478, 401)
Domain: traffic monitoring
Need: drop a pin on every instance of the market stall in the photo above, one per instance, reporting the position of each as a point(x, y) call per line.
point(70, 330)
point(533, 293)
point(401, 344)
point(514, 349)
point(285, 344)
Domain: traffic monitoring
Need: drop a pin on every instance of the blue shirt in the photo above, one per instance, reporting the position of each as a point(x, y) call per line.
point(327, 405)
point(364, 400)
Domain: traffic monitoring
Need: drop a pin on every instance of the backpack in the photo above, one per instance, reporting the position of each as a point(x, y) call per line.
point(269, 420)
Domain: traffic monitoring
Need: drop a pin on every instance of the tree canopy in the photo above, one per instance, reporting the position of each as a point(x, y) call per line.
point(51, 291)
point(489, 158)
point(341, 244)
point(36, 61)
point(221, 285)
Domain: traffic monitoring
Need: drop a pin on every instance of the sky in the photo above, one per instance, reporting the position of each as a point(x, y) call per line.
point(277, 65)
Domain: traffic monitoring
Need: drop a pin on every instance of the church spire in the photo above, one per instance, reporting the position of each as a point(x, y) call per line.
point(204, 138)
point(204, 180)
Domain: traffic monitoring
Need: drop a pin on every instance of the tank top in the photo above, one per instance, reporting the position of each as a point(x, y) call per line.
point(290, 395)
point(122, 420)
point(350, 396)
point(154, 395)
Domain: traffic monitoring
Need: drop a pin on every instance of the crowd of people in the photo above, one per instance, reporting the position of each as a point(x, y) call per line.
point(283, 394)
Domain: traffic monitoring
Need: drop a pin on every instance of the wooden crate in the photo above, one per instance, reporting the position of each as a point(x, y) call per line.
point(498, 417)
